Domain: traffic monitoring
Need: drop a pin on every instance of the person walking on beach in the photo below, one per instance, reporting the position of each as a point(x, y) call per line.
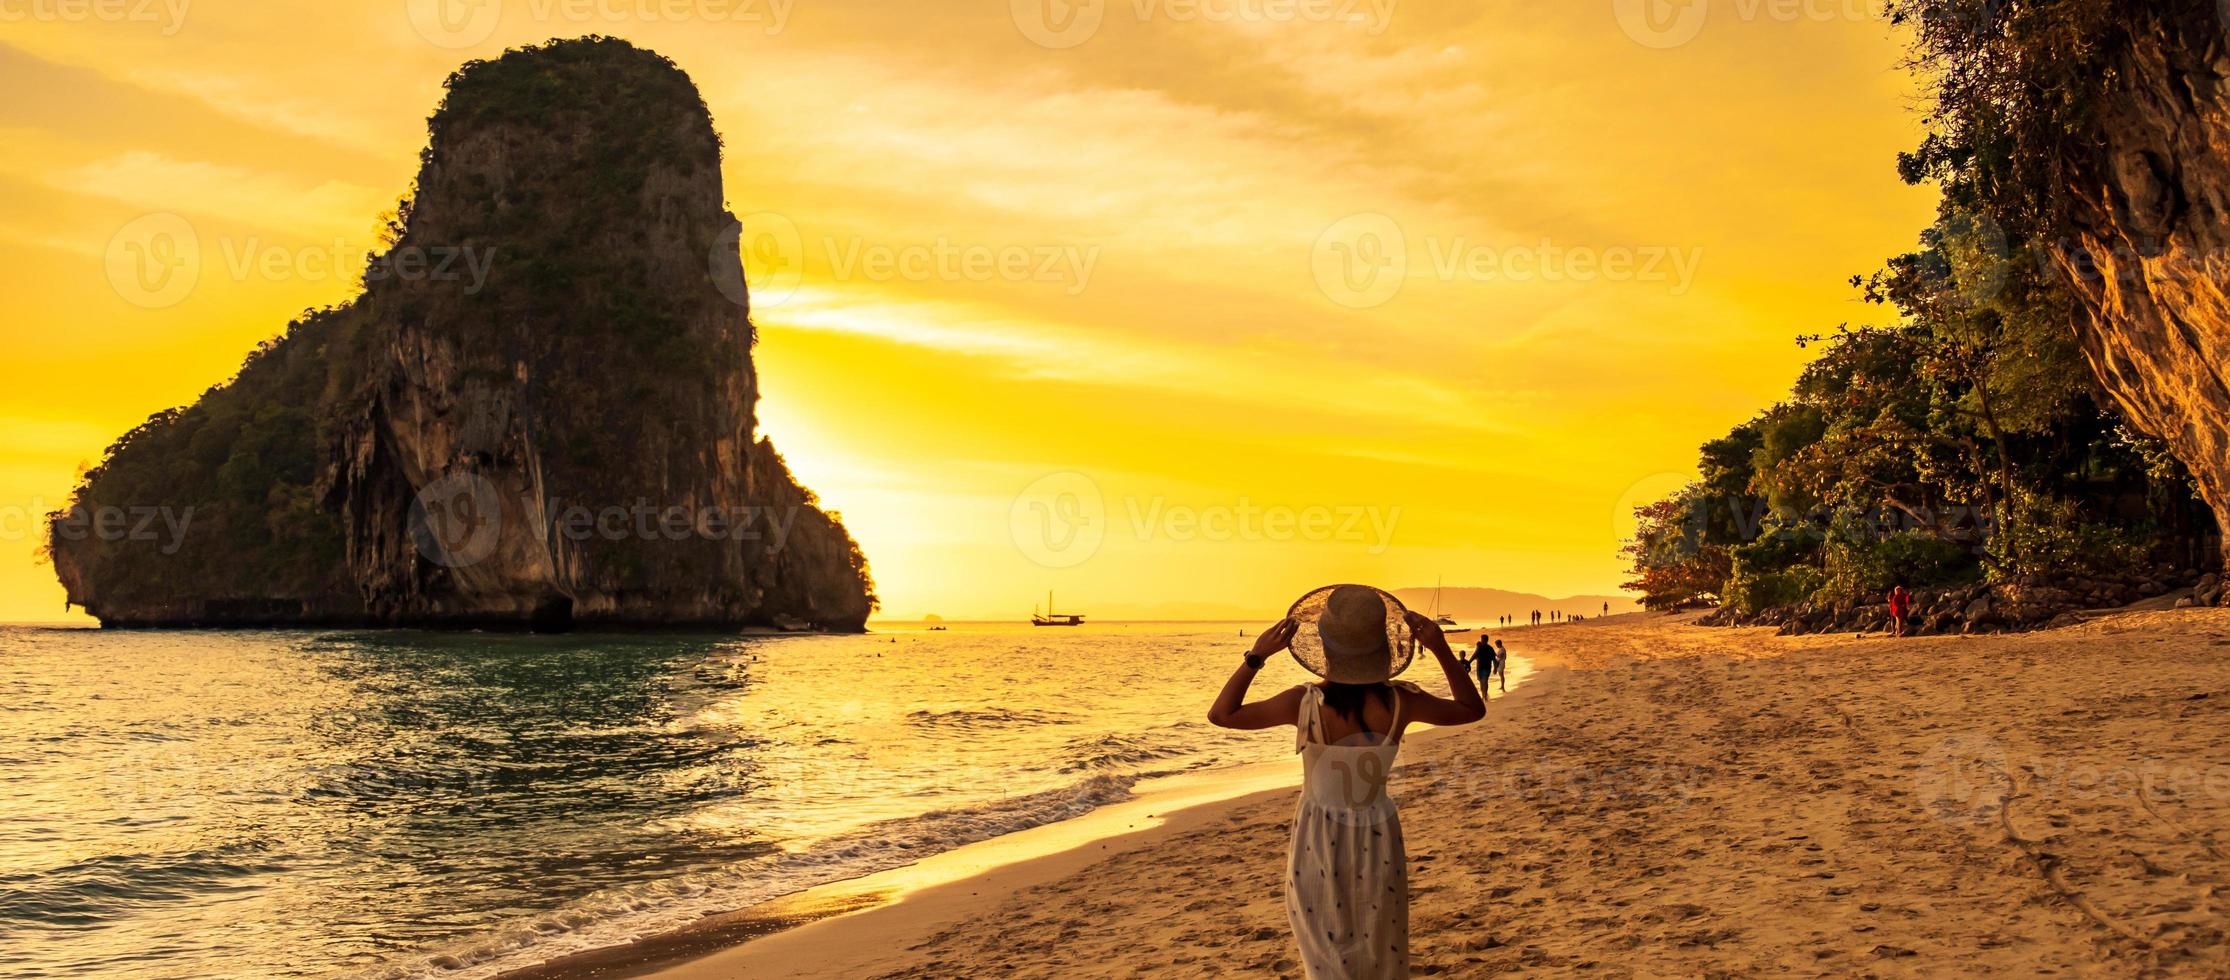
point(1482, 661)
point(1502, 665)
point(1900, 604)
point(1347, 877)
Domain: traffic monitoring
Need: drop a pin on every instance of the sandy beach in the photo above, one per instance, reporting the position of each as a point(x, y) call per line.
point(1664, 799)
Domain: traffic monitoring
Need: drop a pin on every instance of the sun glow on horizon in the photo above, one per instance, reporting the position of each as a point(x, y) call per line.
point(1247, 305)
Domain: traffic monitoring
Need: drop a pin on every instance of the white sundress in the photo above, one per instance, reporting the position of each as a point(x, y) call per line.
point(1347, 878)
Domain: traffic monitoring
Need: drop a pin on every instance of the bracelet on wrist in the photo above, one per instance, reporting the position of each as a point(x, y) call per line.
point(1256, 660)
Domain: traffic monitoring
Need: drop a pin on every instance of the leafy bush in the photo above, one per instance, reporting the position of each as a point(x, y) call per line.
point(1752, 589)
point(2053, 536)
point(1862, 567)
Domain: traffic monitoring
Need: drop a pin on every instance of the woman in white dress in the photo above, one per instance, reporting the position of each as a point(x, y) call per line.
point(1346, 886)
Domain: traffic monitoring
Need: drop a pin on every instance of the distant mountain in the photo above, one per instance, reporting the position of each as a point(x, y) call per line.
point(1474, 606)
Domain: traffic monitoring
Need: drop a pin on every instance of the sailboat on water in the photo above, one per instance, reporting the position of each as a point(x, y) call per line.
point(1439, 617)
point(1051, 618)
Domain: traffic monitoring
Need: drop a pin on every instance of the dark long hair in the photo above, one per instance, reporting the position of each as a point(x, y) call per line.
point(1348, 699)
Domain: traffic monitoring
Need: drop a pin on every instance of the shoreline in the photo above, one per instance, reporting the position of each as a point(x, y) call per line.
point(840, 926)
point(817, 925)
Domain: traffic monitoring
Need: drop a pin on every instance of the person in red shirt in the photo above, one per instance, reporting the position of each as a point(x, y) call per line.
point(1900, 603)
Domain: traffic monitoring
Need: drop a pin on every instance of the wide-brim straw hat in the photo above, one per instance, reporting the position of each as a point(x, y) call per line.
point(1352, 634)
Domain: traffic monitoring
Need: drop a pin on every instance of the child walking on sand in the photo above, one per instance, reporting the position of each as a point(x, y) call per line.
point(1347, 885)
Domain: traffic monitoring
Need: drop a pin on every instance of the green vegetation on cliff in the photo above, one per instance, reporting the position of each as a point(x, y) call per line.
point(237, 470)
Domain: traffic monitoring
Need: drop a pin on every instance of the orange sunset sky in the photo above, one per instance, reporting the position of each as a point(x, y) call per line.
point(1177, 308)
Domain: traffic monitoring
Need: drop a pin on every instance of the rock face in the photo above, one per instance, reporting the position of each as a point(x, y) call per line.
point(2149, 246)
point(541, 410)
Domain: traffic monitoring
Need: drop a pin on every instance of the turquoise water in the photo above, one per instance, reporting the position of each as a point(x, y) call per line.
point(411, 804)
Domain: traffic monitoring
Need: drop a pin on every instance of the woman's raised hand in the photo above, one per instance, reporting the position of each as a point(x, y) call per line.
point(1429, 634)
point(1276, 638)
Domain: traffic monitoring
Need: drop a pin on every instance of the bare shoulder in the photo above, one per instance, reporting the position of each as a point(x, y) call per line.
point(1424, 706)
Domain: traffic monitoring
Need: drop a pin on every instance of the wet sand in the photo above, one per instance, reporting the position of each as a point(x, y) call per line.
point(1665, 799)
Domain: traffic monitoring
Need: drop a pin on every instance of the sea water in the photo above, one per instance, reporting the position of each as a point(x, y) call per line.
point(412, 804)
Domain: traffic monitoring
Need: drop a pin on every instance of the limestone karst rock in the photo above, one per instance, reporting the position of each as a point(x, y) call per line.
point(540, 411)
